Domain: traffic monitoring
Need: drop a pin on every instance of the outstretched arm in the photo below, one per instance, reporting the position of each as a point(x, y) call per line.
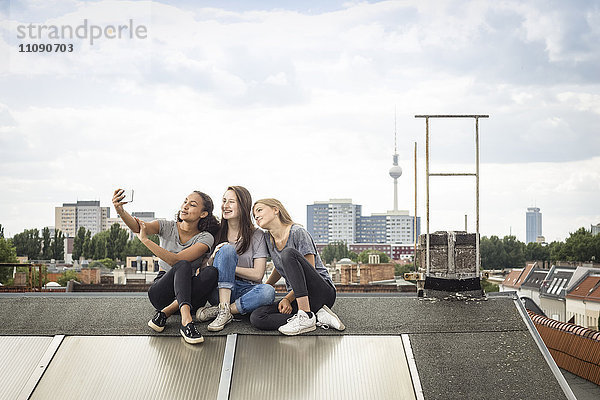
point(132, 222)
point(190, 254)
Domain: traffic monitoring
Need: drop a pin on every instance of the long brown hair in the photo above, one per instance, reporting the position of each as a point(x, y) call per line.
point(244, 200)
point(284, 216)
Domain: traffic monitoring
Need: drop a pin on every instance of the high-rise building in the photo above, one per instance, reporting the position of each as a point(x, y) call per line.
point(533, 224)
point(340, 220)
point(333, 221)
point(595, 229)
point(71, 216)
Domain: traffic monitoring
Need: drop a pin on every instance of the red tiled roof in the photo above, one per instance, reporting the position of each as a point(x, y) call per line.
point(589, 289)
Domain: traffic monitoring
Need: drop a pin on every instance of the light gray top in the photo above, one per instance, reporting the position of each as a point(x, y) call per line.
point(169, 240)
point(257, 249)
point(300, 240)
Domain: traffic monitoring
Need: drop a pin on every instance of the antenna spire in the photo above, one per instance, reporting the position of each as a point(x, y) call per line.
point(395, 134)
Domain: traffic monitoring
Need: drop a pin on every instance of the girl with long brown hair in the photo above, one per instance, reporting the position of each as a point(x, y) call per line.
point(241, 259)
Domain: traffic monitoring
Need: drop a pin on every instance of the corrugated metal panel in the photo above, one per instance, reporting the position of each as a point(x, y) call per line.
point(20, 357)
point(133, 367)
point(321, 367)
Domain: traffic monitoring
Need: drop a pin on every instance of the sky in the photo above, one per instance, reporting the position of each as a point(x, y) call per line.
point(300, 100)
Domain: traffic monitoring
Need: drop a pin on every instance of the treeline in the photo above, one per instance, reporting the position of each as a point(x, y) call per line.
point(112, 244)
point(509, 252)
point(45, 247)
point(339, 250)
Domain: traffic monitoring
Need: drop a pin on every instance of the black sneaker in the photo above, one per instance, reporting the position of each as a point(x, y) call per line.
point(158, 322)
point(190, 334)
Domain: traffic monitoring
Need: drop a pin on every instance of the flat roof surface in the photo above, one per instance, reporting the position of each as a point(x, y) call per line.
point(459, 348)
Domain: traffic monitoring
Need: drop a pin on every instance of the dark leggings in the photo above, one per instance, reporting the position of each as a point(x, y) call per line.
point(305, 281)
point(180, 283)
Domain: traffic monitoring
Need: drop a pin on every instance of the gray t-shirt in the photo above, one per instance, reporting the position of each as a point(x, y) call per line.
point(257, 249)
point(169, 240)
point(300, 240)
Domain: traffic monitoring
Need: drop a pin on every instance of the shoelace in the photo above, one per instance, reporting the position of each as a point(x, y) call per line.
point(193, 331)
point(221, 315)
point(322, 325)
point(293, 318)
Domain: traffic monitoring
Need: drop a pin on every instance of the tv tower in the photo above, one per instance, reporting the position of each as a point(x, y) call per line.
point(395, 171)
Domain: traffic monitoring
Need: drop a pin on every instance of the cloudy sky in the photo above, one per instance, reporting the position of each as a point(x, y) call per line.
point(296, 100)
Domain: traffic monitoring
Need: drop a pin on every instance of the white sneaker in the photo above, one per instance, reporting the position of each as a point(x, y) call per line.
point(223, 318)
point(207, 313)
point(299, 323)
point(328, 319)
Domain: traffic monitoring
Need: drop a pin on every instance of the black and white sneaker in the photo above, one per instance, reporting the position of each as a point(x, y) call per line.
point(190, 334)
point(158, 322)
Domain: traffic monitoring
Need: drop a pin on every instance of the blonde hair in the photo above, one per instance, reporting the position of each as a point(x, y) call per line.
point(284, 216)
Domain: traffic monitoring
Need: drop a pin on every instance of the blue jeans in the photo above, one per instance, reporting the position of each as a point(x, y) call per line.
point(248, 296)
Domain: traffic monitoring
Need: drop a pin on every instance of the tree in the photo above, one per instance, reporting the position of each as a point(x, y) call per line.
point(46, 244)
point(334, 251)
point(58, 247)
point(98, 244)
point(536, 252)
point(353, 256)
point(581, 245)
point(8, 254)
point(501, 253)
point(28, 243)
point(88, 251)
point(104, 263)
point(363, 257)
point(116, 242)
point(515, 251)
point(136, 248)
point(66, 276)
point(78, 242)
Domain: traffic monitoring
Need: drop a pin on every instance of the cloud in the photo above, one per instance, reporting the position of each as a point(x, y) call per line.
point(298, 103)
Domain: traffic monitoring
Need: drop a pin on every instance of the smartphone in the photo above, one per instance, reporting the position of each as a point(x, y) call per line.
point(128, 196)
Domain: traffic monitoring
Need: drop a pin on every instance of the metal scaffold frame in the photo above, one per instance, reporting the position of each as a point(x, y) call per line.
point(476, 175)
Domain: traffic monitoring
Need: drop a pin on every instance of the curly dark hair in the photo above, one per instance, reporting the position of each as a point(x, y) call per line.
point(209, 223)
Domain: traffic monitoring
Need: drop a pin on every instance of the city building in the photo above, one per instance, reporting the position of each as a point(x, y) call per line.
point(71, 216)
point(554, 290)
point(533, 223)
point(595, 229)
point(338, 220)
point(583, 300)
point(333, 221)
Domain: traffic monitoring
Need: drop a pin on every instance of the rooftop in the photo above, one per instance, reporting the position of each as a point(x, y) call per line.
point(394, 345)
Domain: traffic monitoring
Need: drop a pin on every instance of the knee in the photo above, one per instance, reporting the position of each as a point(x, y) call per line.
point(266, 293)
point(226, 253)
point(211, 273)
point(289, 254)
point(182, 265)
point(227, 250)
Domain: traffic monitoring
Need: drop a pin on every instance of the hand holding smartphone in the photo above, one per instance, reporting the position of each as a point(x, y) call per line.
point(127, 196)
